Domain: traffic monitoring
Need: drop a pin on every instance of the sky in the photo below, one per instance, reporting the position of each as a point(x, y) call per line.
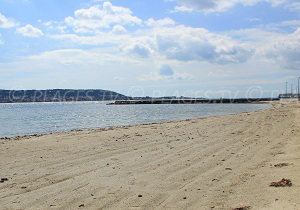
point(197, 48)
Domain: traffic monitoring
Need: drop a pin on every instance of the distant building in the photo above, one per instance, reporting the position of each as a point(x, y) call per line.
point(289, 95)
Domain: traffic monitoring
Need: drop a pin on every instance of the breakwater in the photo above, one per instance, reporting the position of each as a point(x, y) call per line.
point(192, 101)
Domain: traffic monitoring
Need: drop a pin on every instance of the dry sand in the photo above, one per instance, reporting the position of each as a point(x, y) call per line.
point(212, 163)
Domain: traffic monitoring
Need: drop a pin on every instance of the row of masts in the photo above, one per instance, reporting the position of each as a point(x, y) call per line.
point(293, 93)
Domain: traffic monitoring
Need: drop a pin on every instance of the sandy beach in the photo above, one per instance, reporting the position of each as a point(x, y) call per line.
point(212, 163)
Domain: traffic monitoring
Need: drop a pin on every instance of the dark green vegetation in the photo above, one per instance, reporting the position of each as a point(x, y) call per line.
point(56, 95)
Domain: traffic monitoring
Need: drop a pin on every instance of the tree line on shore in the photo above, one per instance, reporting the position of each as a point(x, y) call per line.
point(58, 95)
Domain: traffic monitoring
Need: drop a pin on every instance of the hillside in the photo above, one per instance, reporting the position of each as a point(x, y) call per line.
point(56, 95)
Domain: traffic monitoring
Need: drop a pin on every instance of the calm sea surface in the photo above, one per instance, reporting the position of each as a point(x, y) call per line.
point(40, 118)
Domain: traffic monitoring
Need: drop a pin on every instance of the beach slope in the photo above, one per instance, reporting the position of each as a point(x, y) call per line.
point(213, 163)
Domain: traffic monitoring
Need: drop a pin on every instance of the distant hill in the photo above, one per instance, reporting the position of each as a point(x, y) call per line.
point(57, 95)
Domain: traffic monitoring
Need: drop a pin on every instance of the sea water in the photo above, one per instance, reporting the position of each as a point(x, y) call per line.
point(21, 119)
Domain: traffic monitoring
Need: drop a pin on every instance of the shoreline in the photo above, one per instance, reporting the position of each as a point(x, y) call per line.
point(18, 137)
point(219, 162)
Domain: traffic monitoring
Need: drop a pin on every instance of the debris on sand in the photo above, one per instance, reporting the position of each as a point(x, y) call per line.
point(242, 208)
point(279, 165)
point(283, 183)
point(3, 180)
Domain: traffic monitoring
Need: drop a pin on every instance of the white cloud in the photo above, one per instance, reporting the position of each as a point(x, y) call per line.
point(182, 9)
point(283, 51)
point(220, 73)
point(179, 43)
point(287, 23)
point(166, 73)
point(95, 18)
point(100, 38)
point(6, 23)
point(119, 78)
point(191, 53)
point(264, 33)
point(294, 6)
point(69, 57)
point(208, 6)
point(56, 25)
point(254, 35)
point(195, 44)
point(141, 49)
point(282, 27)
point(61, 29)
point(253, 19)
point(184, 44)
point(272, 43)
point(30, 31)
point(153, 76)
point(159, 23)
point(118, 29)
point(77, 57)
point(1, 42)
point(49, 23)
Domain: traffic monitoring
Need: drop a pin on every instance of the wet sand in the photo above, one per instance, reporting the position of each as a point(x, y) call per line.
point(212, 163)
